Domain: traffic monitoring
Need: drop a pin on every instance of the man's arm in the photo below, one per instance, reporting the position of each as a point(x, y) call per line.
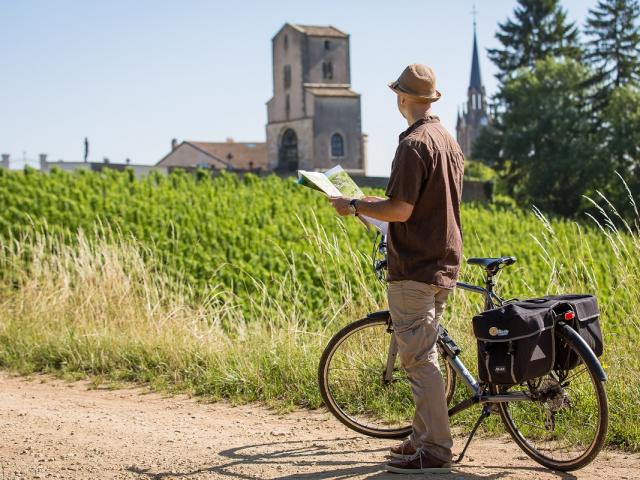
point(387, 210)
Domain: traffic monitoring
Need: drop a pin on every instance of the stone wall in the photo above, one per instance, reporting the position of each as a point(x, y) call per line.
point(337, 54)
point(338, 115)
point(304, 132)
point(292, 55)
point(472, 190)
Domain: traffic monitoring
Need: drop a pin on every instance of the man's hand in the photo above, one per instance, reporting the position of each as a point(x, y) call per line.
point(387, 210)
point(341, 204)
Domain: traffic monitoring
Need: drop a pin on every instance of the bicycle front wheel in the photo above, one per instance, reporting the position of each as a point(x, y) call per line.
point(565, 426)
point(353, 386)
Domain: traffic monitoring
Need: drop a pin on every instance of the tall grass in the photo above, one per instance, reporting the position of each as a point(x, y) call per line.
point(273, 283)
point(104, 307)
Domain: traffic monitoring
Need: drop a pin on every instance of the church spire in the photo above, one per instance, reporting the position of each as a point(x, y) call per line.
point(476, 81)
point(474, 116)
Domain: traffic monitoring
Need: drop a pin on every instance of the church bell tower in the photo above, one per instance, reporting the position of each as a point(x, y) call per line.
point(473, 116)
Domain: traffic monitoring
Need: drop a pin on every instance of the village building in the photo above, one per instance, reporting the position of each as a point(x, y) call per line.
point(314, 117)
point(473, 116)
point(228, 155)
point(45, 165)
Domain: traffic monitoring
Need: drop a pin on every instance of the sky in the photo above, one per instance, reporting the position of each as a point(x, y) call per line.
point(131, 75)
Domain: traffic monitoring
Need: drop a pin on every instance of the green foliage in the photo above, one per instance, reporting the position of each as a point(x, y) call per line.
point(118, 305)
point(488, 145)
point(539, 30)
point(474, 170)
point(554, 139)
point(613, 49)
point(547, 153)
point(206, 232)
point(621, 144)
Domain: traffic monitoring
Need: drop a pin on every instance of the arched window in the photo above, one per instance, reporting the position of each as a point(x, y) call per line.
point(288, 151)
point(287, 106)
point(287, 76)
point(337, 145)
point(286, 42)
point(327, 70)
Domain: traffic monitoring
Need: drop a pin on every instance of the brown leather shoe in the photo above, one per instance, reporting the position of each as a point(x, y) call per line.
point(421, 462)
point(403, 451)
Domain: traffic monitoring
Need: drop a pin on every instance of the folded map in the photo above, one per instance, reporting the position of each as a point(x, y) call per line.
point(337, 183)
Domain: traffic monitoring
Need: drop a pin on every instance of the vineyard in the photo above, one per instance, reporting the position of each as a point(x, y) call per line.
point(230, 287)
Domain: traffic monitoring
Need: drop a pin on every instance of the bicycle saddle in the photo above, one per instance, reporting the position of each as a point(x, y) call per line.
point(492, 264)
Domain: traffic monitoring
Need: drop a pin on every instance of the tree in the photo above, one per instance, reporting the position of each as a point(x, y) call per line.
point(543, 137)
point(621, 142)
point(487, 146)
point(613, 48)
point(539, 29)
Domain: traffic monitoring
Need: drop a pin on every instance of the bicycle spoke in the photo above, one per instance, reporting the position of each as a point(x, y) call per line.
point(355, 381)
point(563, 423)
point(574, 374)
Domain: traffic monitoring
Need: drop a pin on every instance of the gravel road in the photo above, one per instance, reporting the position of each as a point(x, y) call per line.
point(53, 429)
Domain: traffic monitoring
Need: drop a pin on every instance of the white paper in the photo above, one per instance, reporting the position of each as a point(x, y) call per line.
point(323, 182)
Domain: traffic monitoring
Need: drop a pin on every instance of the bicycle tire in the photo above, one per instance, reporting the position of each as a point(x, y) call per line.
point(339, 411)
point(598, 440)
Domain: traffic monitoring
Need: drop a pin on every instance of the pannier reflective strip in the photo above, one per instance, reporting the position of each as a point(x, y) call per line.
point(502, 340)
point(538, 354)
point(486, 362)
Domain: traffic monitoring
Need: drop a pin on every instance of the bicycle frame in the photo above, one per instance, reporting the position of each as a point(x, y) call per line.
point(493, 398)
point(448, 347)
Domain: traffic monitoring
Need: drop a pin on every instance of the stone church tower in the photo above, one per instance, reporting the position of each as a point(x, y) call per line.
point(474, 115)
point(314, 118)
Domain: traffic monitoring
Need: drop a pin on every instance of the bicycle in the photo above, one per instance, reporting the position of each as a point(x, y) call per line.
point(560, 420)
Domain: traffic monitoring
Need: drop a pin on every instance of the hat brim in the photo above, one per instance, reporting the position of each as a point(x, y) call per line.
point(395, 86)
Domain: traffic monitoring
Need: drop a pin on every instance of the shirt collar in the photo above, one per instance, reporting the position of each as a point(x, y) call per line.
point(417, 123)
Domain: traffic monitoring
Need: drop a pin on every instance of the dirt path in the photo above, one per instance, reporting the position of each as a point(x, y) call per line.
point(51, 429)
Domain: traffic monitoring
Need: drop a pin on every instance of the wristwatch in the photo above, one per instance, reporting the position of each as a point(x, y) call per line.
point(352, 207)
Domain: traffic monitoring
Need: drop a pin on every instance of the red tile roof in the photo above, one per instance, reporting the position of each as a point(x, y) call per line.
point(229, 154)
point(238, 155)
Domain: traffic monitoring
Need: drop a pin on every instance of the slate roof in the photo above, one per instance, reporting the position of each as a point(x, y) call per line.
point(475, 81)
point(320, 31)
point(332, 92)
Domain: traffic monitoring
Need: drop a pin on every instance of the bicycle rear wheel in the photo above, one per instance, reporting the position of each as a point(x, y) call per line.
point(353, 387)
point(565, 428)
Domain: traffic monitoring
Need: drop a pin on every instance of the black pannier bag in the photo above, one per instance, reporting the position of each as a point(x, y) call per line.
point(585, 321)
point(515, 342)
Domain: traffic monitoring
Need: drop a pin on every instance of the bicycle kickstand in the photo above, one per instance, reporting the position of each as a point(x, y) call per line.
point(486, 411)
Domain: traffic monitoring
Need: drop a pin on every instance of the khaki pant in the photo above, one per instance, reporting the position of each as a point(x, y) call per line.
point(416, 309)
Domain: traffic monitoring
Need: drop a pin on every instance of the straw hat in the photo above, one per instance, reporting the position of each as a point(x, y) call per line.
point(417, 82)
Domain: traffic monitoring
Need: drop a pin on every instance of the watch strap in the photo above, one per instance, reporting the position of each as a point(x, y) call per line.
point(353, 206)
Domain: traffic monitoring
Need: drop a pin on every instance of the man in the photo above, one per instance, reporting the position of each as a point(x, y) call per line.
point(424, 251)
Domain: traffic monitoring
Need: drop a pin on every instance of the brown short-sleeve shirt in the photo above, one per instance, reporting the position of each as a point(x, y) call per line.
point(427, 172)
